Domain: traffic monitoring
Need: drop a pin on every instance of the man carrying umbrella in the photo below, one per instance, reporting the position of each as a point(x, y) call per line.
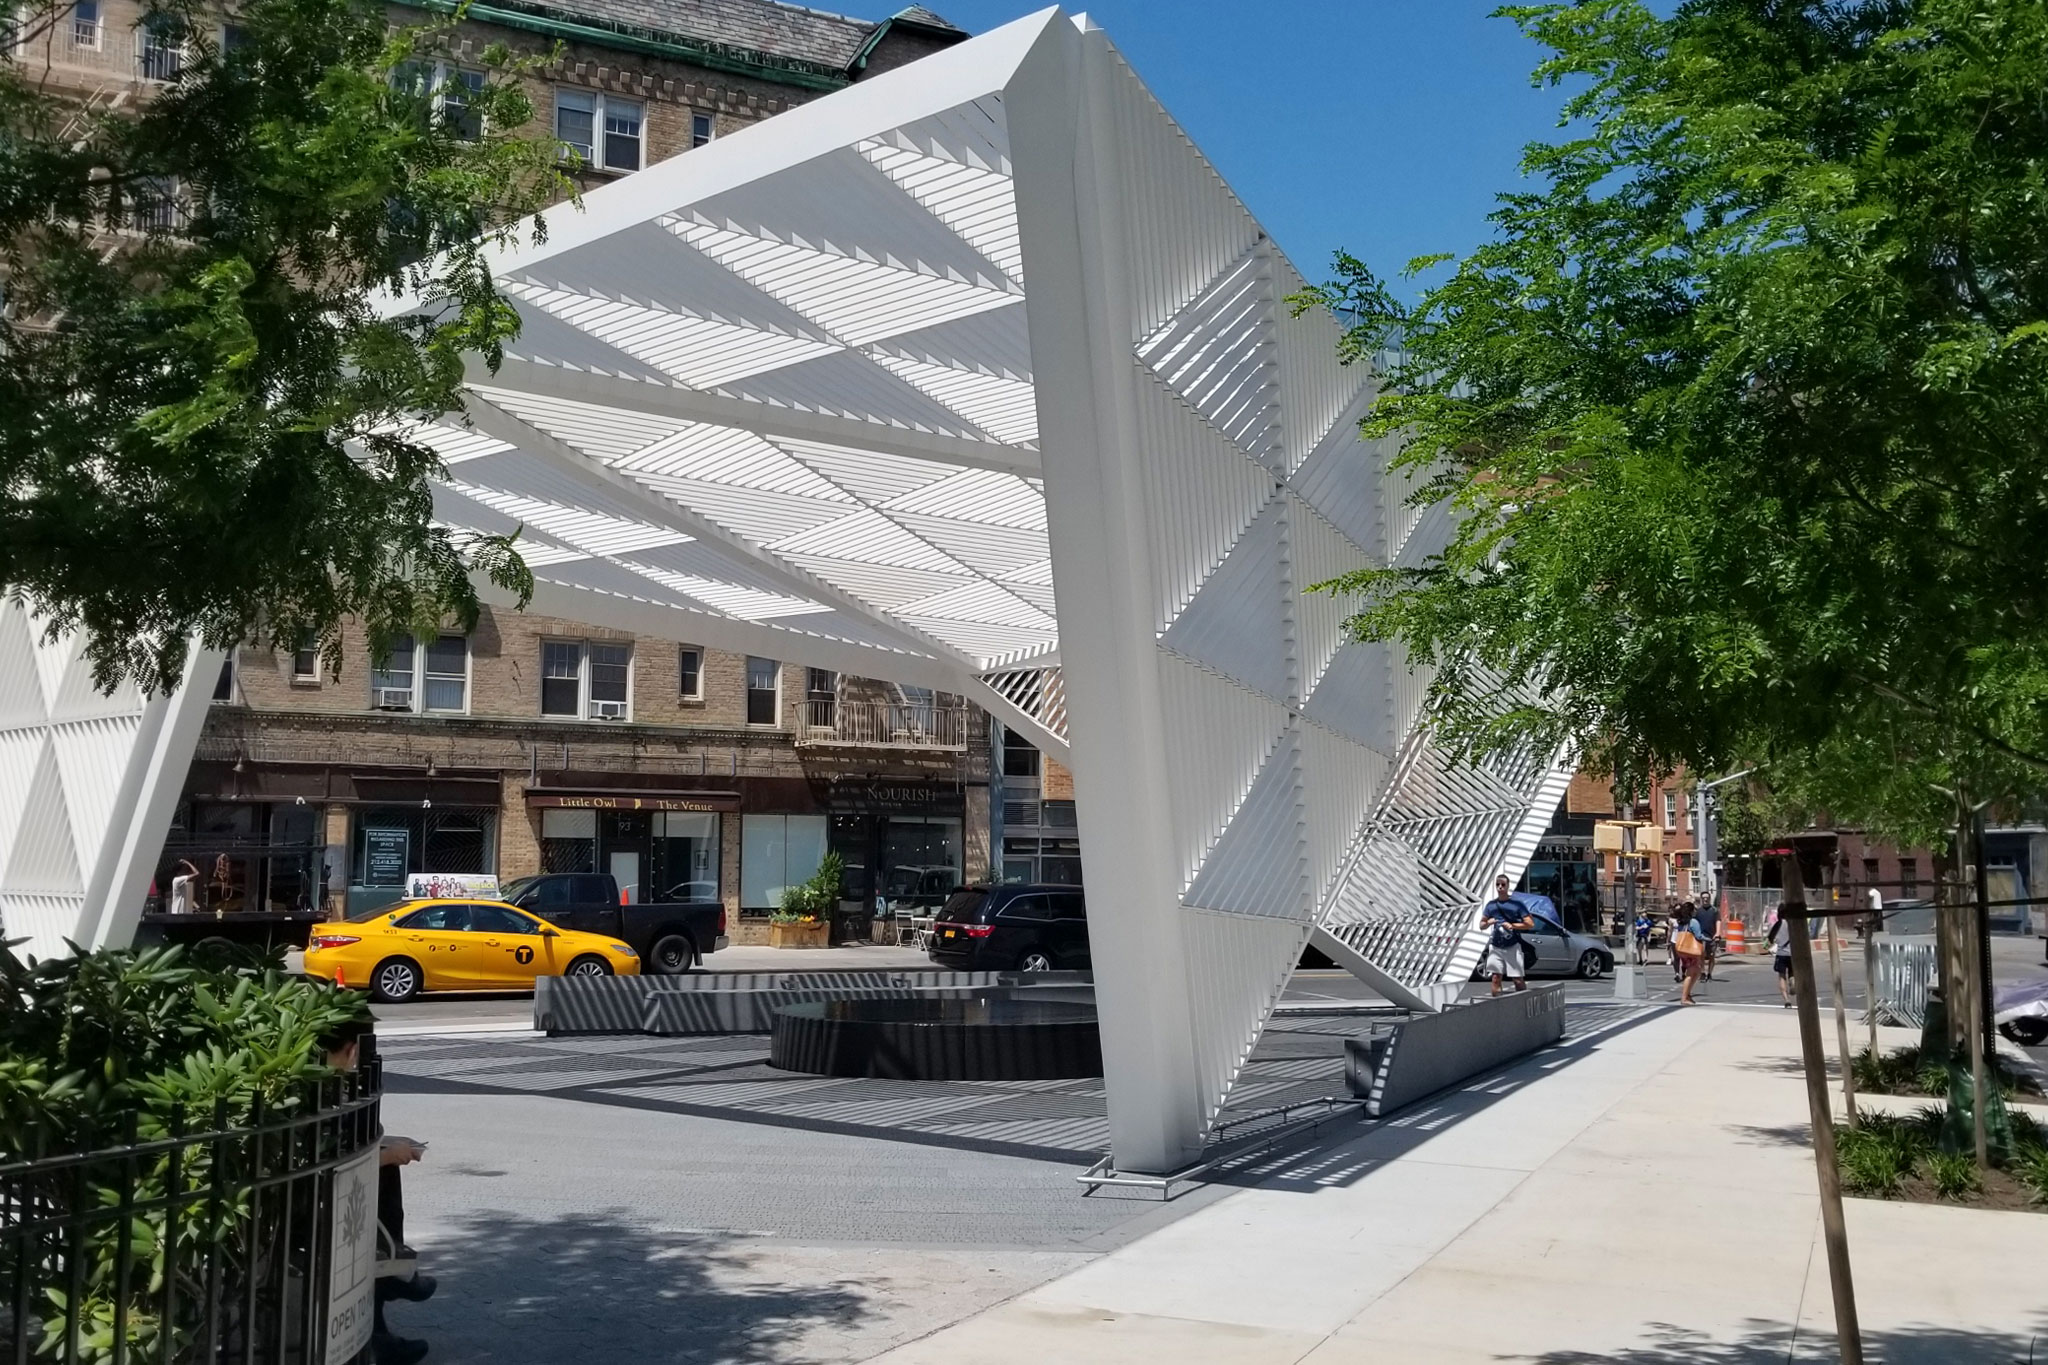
point(1504, 918)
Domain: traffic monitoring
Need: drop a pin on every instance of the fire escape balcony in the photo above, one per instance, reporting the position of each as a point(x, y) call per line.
point(882, 725)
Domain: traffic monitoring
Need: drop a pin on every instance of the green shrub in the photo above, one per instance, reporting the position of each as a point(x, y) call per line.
point(815, 897)
point(98, 1048)
point(1954, 1174)
point(2031, 1169)
point(1874, 1160)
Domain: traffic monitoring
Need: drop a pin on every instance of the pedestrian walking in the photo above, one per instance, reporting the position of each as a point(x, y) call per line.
point(1504, 918)
point(1710, 935)
point(1780, 937)
point(1681, 913)
point(1689, 946)
point(1642, 936)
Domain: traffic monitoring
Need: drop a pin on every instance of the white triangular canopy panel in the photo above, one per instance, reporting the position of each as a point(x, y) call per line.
point(973, 375)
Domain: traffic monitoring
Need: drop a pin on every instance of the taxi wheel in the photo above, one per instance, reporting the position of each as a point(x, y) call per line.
point(672, 956)
point(396, 980)
point(589, 966)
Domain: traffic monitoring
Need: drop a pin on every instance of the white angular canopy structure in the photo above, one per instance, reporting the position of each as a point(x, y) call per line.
point(977, 376)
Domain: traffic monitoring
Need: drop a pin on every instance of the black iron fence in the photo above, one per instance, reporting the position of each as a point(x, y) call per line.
point(214, 1241)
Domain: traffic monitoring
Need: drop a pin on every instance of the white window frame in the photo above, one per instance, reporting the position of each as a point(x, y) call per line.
point(586, 705)
point(1670, 809)
point(419, 679)
point(179, 52)
point(697, 695)
point(306, 677)
point(703, 128)
point(439, 74)
point(594, 158)
point(79, 24)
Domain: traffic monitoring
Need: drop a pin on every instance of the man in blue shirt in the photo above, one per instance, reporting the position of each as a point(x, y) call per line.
point(1503, 918)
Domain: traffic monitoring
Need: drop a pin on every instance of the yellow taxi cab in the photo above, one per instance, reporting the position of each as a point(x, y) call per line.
point(456, 945)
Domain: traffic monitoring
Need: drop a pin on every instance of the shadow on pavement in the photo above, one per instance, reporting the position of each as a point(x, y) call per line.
point(1344, 1151)
point(571, 1289)
point(1774, 1343)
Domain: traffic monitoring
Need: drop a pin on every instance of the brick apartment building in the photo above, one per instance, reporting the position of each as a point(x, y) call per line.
point(532, 744)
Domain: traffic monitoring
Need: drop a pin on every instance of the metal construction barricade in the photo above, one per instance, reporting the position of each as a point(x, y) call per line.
point(1906, 972)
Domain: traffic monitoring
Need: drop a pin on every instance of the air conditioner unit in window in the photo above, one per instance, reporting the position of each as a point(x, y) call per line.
point(394, 699)
point(607, 710)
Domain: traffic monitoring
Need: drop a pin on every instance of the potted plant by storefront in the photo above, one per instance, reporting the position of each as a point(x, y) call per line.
point(803, 920)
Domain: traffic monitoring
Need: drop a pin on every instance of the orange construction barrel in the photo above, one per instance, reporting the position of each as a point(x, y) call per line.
point(1737, 936)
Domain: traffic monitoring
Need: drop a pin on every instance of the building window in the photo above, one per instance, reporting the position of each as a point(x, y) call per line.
point(776, 852)
point(444, 91)
point(579, 680)
point(611, 669)
point(685, 856)
point(160, 49)
point(1909, 877)
point(763, 688)
point(690, 673)
point(233, 37)
point(568, 841)
point(85, 24)
point(1670, 810)
point(561, 679)
point(821, 698)
point(579, 117)
point(306, 661)
point(1872, 875)
point(224, 685)
point(700, 129)
point(432, 679)
point(446, 669)
point(1020, 759)
point(154, 204)
point(621, 135)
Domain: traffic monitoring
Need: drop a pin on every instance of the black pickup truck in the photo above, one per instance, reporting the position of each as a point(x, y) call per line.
point(670, 936)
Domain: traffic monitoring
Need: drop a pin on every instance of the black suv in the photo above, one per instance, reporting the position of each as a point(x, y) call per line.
point(1012, 929)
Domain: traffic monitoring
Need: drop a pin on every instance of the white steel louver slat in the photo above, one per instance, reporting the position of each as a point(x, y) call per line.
point(856, 301)
point(1005, 408)
point(1202, 494)
point(1218, 354)
point(975, 201)
point(726, 455)
point(748, 604)
point(701, 352)
point(590, 532)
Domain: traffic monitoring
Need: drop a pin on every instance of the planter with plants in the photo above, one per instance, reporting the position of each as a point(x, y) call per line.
point(804, 919)
point(1923, 1157)
point(167, 1134)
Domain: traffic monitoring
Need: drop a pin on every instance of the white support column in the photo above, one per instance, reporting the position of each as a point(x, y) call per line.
point(1068, 187)
point(148, 795)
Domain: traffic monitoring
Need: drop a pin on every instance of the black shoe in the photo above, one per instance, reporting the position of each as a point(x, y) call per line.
point(418, 1289)
point(388, 1349)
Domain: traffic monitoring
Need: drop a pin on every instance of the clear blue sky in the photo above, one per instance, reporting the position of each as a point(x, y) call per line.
point(1384, 127)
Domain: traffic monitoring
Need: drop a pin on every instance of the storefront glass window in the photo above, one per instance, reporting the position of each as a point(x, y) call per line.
point(921, 860)
point(568, 841)
point(777, 851)
point(686, 855)
point(388, 842)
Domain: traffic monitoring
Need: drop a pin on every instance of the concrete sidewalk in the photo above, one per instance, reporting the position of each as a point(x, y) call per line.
point(1548, 1215)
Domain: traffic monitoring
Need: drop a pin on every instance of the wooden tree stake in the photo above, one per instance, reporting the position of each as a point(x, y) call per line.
point(1834, 1228)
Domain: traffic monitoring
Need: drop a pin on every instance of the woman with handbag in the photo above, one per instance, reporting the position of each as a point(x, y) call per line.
point(1689, 942)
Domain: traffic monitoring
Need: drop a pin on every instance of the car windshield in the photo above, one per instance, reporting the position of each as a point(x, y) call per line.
point(513, 890)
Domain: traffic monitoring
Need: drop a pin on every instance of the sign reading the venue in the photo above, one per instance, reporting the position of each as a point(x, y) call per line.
point(708, 801)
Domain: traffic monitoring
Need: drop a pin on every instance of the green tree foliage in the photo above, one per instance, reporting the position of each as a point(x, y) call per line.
point(1745, 407)
point(204, 402)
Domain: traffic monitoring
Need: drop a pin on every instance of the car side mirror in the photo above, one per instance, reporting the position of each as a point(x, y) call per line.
point(550, 933)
